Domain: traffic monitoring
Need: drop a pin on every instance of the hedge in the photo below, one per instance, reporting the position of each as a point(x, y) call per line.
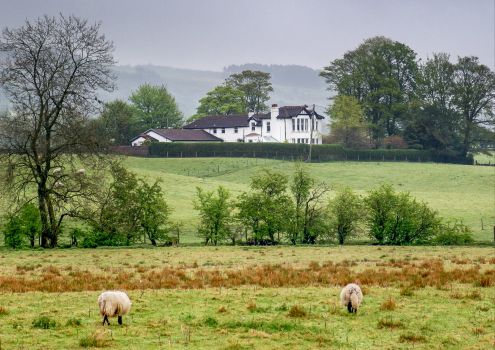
point(299, 151)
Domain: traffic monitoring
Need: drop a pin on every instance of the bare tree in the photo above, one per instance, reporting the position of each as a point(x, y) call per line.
point(51, 70)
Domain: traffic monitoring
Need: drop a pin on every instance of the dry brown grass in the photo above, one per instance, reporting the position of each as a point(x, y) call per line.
point(390, 323)
point(388, 305)
point(429, 272)
point(3, 311)
point(412, 338)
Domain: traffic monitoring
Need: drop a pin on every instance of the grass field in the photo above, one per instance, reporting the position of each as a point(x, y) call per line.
point(251, 297)
point(460, 192)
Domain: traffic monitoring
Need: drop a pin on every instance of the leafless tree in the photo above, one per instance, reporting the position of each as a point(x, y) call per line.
point(51, 70)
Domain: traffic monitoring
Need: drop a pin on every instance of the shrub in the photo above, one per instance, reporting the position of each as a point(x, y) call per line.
point(210, 321)
point(44, 322)
point(97, 339)
point(297, 311)
point(73, 322)
point(455, 234)
point(388, 305)
point(23, 224)
point(397, 218)
point(345, 212)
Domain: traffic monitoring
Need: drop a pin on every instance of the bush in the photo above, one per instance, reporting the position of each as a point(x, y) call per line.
point(210, 321)
point(73, 322)
point(397, 218)
point(44, 322)
point(21, 225)
point(455, 234)
point(345, 211)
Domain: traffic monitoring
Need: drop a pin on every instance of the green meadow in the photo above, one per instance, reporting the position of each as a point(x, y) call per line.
point(458, 192)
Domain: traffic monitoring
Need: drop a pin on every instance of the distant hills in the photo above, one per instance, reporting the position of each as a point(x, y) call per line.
point(292, 84)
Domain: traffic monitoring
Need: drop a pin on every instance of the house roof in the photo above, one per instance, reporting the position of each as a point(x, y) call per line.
point(253, 134)
point(219, 121)
point(287, 112)
point(186, 135)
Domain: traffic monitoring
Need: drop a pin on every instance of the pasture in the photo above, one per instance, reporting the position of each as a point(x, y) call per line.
point(457, 192)
point(251, 297)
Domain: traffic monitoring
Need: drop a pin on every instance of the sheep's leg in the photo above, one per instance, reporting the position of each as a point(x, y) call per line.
point(105, 319)
point(120, 320)
point(349, 307)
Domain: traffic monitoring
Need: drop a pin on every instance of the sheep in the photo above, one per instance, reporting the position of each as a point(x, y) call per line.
point(81, 172)
point(351, 296)
point(113, 303)
point(57, 170)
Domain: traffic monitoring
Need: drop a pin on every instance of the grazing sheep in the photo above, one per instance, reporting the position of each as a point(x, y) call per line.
point(351, 296)
point(58, 184)
point(114, 303)
point(81, 172)
point(57, 170)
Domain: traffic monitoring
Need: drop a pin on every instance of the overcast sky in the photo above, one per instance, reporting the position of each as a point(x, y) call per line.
point(211, 34)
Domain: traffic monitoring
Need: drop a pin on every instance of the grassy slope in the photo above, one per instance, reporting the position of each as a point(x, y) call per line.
point(456, 191)
point(452, 317)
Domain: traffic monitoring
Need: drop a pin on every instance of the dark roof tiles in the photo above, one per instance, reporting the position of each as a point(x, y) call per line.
point(186, 135)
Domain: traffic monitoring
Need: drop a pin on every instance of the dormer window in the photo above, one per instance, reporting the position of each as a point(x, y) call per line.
point(253, 126)
point(214, 131)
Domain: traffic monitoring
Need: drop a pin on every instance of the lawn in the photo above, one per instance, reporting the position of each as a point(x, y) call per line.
point(457, 192)
point(241, 297)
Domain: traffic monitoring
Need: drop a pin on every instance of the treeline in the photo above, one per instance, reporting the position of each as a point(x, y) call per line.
point(276, 210)
point(386, 95)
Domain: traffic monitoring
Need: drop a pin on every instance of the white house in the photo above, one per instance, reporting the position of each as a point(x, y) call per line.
point(174, 135)
point(293, 124)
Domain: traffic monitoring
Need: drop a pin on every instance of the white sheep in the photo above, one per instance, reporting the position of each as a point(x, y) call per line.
point(81, 172)
point(113, 303)
point(57, 170)
point(351, 296)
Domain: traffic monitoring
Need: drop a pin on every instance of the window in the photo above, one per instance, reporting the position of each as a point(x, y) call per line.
point(223, 130)
point(250, 141)
point(293, 125)
point(253, 126)
point(306, 124)
point(235, 130)
point(298, 140)
point(268, 128)
point(316, 125)
point(214, 131)
point(298, 123)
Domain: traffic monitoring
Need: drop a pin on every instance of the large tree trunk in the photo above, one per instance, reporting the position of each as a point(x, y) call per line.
point(45, 227)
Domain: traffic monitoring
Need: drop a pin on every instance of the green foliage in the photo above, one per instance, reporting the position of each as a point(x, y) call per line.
point(118, 123)
point(73, 322)
point(300, 152)
point(347, 122)
point(397, 218)
point(266, 207)
point(453, 234)
point(210, 321)
point(222, 100)
point(215, 214)
point(307, 222)
point(156, 107)
point(44, 322)
point(255, 86)
point(345, 212)
point(129, 209)
point(21, 225)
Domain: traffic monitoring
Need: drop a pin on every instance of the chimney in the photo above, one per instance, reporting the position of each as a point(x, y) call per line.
point(274, 111)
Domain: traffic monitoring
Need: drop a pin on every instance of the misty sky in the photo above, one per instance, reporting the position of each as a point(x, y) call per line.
point(211, 34)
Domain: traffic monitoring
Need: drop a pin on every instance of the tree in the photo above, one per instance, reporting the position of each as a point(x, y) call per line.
point(215, 214)
point(128, 208)
point(266, 208)
point(25, 223)
point(345, 212)
point(222, 100)
point(256, 87)
point(51, 70)
point(474, 96)
point(156, 107)
point(118, 123)
point(397, 218)
point(381, 75)
point(347, 125)
point(308, 219)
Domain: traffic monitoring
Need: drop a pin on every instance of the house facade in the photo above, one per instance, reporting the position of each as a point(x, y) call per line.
point(292, 124)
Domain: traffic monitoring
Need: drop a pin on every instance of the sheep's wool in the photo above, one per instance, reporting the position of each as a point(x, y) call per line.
point(114, 303)
point(351, 293)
